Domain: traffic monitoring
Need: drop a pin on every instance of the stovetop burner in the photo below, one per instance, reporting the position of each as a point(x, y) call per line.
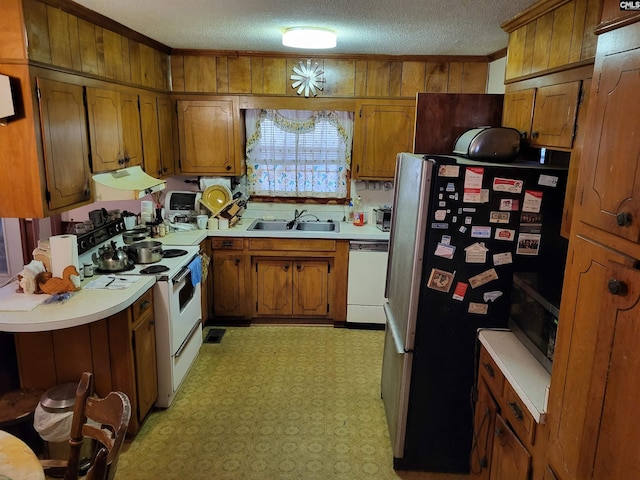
point(130, 266)
point(154, 269)
point(173, 252)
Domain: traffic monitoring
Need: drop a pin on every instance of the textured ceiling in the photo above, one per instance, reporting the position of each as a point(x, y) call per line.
point(386, 27)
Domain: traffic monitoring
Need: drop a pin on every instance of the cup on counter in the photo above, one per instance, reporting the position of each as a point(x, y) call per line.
point(129, 222)
point(202, 221)
point(212, 223)
point(223, 224)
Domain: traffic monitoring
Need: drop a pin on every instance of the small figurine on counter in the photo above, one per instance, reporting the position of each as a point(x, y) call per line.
point(27, 277)
point(60, 285)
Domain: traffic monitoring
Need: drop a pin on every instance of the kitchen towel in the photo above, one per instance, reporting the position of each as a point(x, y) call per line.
point(196, 270)
point(64, 252)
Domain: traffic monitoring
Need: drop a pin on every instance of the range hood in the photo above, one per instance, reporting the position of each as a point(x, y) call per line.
point(129, 183)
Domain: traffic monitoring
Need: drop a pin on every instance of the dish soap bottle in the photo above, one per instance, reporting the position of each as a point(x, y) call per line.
point(358, 212)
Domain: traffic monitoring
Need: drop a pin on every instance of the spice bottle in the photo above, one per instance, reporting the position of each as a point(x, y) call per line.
point(358, 213)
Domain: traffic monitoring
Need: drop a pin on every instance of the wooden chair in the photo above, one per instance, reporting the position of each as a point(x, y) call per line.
point(111, 414)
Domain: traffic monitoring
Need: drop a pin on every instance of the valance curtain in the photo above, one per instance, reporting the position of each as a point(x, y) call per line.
point(298, 153)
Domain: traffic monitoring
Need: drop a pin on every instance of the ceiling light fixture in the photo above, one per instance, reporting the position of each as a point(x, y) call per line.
point(309, 37)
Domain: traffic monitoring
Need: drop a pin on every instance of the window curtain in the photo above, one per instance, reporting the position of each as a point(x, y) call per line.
point(298, 153)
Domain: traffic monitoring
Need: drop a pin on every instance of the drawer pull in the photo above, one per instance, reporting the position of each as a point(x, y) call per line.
point(144, 305)
point(498, 431)
point(489, 369)
point(227, 243)
point(515, 408)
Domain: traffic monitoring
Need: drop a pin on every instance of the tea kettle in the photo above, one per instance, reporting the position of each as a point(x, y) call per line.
point(111, 258)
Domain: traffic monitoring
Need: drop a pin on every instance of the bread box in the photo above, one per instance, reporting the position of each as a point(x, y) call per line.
point(498, 144)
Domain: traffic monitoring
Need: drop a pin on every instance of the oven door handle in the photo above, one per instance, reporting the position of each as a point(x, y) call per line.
point(181, 276)
point(186, 340)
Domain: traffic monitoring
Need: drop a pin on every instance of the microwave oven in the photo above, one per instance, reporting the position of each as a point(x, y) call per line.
point(534, 312)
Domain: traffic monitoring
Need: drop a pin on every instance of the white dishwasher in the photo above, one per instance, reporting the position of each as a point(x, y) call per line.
point(367, 277)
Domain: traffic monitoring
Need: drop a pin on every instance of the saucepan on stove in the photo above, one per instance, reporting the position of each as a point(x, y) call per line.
point(135, 234)
point(111, 258)
point(145, 252)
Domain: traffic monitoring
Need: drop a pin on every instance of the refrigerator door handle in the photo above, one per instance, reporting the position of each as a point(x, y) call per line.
point(391, 324)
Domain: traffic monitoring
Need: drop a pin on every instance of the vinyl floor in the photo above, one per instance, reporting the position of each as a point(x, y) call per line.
point(271, 403)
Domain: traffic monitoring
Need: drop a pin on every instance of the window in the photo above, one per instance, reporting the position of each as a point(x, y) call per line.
point(298, 153)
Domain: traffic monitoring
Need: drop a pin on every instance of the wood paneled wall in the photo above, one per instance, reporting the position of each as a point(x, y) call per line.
point(64, 40)
point(262, 74)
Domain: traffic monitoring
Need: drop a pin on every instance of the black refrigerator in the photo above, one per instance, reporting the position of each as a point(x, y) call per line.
point(460, 228)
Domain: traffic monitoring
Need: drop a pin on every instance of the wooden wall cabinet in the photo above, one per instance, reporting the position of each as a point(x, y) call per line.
point(114, 129)
point(65, 146)
point(550, 35)
point(209, 137)
point(381, 131)
point(119, 350)
point(156, 117)
point(545, 116)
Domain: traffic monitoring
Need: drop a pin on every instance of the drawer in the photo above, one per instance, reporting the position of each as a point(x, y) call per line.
point(290, 245)
point(143, 305)
point(491, 373)
point(518, 416)
point(227, 243)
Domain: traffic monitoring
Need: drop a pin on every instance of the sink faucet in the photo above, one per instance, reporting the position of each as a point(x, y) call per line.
point(296, 216)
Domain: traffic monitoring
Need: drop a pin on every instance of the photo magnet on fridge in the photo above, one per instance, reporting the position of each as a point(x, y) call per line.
point(440, 280)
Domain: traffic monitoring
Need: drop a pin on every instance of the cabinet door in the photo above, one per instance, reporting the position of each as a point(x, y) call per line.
point(585, 284)
point(510, 460)
point(64, 143)
point(310, 287)
point(518, 110)
point(381, 132)
point(150, 135)
point(229, 293)
point(144, 352)
point(167, 145)
point(609, 172)
point(207, 137)
point(611, 437)
point(483, 431)
point(273, 287)
point(554, 115)
point(105, 129)
point(131, 148)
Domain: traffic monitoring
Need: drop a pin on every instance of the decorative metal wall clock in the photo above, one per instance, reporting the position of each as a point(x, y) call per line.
point(307, 79)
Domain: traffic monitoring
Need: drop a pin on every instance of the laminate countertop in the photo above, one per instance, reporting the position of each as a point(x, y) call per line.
point(526, 375)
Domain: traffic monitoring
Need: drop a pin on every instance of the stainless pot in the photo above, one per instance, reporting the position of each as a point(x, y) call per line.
point(110, 258)
point(145, 252)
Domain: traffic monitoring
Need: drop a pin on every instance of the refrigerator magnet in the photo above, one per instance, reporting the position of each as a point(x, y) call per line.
point(509, 204)
point(499, 217)
point(548, 180)
point(491, 296)
point(508, 185)
point(452, 171)
point(476, 253)
point(440, 280)
point(505, 234)
point(528, 244)
point(532, 201)
point(460, 291)
point(445, 251)
point(440, 215)
point(480, 232)
point(478, 308)
point(484, 277)
point(502, 258)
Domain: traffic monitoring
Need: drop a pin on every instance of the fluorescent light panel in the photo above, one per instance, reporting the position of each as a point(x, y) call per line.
point(309, 37)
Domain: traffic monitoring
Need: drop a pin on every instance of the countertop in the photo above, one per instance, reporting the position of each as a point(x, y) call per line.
point(86, 306)
point(524, 373)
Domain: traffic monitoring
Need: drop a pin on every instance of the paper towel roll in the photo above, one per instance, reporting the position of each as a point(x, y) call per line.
point(64, 252)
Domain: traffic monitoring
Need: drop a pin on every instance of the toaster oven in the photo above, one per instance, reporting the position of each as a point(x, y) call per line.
point(383, 218)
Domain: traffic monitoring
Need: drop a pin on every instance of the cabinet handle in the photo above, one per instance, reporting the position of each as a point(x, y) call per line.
point(144, 305)
point(623, 219)
point(228, 167)
point(489, 369)
point(120, 160)
point(535, 134)
point(515, 408)
point(616, 287)
point(285, 267)
point(227, 243)
point(299, 267)
point(498, 431)
point(237, 260)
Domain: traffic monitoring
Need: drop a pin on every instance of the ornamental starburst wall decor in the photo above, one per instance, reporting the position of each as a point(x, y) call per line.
point(307, 79)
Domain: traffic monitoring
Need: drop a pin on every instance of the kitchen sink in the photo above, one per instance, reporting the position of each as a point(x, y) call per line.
point(284, 225)
point(318, 226)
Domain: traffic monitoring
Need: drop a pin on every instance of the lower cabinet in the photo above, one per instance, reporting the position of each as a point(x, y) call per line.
point(508, 442)
point(264, 278)
point(120, 351)
point(292, 287)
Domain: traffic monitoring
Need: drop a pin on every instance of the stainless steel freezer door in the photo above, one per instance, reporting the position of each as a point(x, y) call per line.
point(395, 383)
point(406, 249)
